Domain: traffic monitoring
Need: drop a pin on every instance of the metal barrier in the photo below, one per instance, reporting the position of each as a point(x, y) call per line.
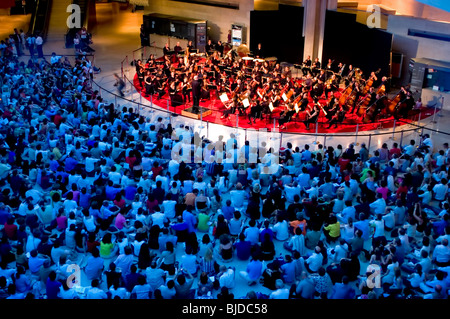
point(401, 134)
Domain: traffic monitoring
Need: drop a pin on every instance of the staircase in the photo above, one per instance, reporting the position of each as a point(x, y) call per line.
point(57, 27)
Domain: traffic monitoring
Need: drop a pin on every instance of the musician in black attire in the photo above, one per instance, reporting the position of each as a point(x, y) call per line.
point(317, 90)
point(312, 116)
point(209, 48)
point(405, 105)
point(338, 117)
point(177, 48)
point(190, 47)
point(306, 66)
point(196, 94)
point(149, 83)
point(331, 108)
point(315, 67)
point(286, 116)
point(379, 106)
point(357, 91)
point(322, 76)
point(175, 97)
point(258, 52)
point(160, 86)
point(255, 112)
point(304, 102)
point(219, 47)
point(230, 108)
point(332, 85)
point(166, 49)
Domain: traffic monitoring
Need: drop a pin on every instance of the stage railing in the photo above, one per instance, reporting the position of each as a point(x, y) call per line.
point(402, 134)
point(274, 138)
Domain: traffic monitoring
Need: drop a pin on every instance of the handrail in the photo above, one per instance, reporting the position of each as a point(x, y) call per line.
point(160, 109)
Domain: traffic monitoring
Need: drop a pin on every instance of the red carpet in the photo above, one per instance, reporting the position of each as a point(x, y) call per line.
point(295, 126)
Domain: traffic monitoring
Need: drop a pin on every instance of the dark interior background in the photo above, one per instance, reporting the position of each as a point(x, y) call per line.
point(345, 40)
point(350, 42)
point(279, 32)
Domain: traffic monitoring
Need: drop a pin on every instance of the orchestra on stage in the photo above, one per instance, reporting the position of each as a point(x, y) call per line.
point(254, 86)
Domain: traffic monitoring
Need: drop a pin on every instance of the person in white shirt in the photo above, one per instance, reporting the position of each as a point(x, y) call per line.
point(238, 196)
point(168, 207)
point(378, 206)
point(440, 190)
point(314, 262)
point(290, 191)
point(281, 291)
point(281, 230)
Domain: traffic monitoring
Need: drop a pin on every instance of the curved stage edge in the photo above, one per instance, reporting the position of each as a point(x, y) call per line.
point(351, 124)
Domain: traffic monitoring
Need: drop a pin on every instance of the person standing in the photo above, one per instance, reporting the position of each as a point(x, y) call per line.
point(31, 41)
point(120, 84)
point(39, 44)
point(196, 92)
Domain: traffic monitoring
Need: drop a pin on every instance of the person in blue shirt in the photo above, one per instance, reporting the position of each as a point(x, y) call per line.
point(52, 286)
point(243, 248)
point(306, 154)
point(228, 210)
point(363, 226)
point(70, 163)
point(342, 290)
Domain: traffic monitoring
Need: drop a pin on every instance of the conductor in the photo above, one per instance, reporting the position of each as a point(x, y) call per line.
point(196, 93)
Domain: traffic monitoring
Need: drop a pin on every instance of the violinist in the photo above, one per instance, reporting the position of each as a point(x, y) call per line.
point(286, 116)
point(255, 112)
point(149, 83)
point(186, 89)
point(304, 102)
point(246, 94)
point(332, 108)
point(160, 86)
point(174, 94)
point(312, 116)
point(317, 90)
point(337, 117)
point(230, 107)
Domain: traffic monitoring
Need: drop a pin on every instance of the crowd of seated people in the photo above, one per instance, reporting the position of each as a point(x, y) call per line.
point(150, 211)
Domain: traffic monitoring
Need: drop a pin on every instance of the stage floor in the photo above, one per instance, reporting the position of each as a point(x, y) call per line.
point(351, 123)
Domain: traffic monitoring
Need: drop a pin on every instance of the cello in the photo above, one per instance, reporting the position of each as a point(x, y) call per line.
point(394, 102)
point(347, 91)
point(369, 82)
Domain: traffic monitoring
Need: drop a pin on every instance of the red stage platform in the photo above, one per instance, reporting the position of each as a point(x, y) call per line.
point(351, 123)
